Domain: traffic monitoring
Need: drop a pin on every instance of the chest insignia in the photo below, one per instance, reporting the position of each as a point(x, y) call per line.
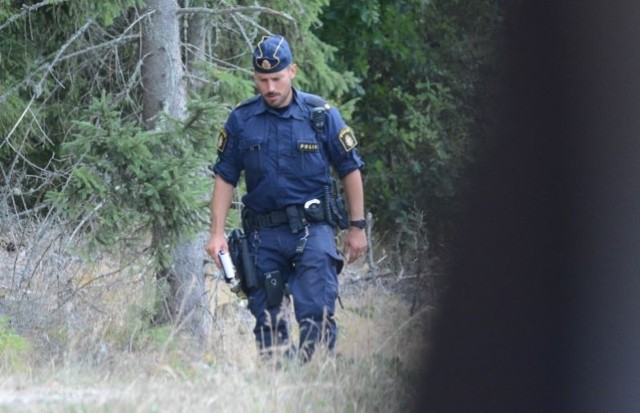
point(347, 138)
point(308, 147)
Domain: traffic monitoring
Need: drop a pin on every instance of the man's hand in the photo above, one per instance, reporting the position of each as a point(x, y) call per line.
point(355, 245)
point(214, 246)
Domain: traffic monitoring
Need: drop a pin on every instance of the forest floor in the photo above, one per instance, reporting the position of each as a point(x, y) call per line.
point(73, 339)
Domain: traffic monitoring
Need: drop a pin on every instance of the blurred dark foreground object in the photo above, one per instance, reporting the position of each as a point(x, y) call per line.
point(542, 311)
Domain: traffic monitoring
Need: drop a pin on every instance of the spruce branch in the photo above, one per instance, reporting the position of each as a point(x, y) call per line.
point(28, 9)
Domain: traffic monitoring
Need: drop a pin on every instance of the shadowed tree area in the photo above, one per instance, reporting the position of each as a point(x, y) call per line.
point(541, 312)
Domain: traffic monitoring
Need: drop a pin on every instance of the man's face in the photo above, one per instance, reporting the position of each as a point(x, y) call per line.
point(275, 88)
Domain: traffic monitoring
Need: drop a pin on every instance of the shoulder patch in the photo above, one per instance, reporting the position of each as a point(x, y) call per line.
point(249, 101)
point(347, 138)
point(222, 140)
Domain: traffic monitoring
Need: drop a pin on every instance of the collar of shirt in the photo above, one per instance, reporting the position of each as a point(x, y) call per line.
point(295, 110)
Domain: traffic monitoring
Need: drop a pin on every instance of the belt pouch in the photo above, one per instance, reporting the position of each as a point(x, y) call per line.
point(314, 212)
point(296, 221)
point(274, 288)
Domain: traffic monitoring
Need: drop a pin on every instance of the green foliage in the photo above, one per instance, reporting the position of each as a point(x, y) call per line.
point(12, 346)
point(136, 179)
point(41, 87)
point(158, 337)
point(420, 64)
point(229, 88)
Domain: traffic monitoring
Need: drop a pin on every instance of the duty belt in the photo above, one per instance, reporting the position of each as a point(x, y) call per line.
point(268, 220)
point(296, 216)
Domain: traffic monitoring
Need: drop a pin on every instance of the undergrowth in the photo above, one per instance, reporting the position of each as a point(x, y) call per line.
point(76, 336)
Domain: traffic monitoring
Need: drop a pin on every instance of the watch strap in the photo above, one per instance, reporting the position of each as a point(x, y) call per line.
point(360, 223)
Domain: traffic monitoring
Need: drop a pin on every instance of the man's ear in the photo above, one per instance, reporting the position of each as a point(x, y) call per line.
point(293, 69)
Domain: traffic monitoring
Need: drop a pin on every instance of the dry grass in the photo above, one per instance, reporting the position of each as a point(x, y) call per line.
point(89, 347)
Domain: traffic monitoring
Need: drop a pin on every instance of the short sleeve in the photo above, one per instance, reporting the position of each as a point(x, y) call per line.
point(343, 144)
point(228, 164)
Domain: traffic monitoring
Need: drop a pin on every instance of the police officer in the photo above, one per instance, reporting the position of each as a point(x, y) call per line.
point(286, 141)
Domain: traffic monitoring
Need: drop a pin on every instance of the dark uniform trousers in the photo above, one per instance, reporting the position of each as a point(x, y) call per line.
point(311, 281)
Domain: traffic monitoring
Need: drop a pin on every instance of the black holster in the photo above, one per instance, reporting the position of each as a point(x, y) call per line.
point(243, 260)
point(335, 208)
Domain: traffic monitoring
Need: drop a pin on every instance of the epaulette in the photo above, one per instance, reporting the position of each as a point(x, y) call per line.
point(249, 101)
point(316, 101)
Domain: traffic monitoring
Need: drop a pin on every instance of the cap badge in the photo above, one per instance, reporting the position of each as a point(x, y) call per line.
point(265, 64)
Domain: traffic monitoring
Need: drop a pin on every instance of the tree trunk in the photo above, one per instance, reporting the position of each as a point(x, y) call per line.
point(164, 90)
point(162, 74)
point(196, 35)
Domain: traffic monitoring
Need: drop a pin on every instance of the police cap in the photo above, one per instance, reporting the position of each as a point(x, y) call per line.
point(272, 54)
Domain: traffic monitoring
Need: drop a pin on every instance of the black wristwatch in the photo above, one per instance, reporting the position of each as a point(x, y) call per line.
point(361, 223)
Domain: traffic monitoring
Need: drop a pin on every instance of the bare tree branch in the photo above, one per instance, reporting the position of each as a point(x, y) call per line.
point(47, 69)
point(49, 66)
point(28, 9)
point(236, 10)
point(255, 24)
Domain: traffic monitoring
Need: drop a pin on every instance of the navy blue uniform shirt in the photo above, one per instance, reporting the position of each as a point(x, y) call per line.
point(285, 161)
